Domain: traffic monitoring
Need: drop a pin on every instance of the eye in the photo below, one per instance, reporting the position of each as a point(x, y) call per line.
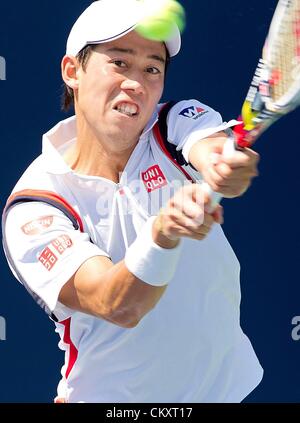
point(119, 63)
point(153, 70)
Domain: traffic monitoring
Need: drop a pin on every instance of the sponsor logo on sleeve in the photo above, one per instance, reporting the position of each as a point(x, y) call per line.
point(37, 226)
point(193, 112)
point(48, 259)
point(62, 243)
point(50, 255)
point(154, 178)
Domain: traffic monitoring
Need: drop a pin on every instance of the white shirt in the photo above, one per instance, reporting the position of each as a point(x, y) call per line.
point(190, 348)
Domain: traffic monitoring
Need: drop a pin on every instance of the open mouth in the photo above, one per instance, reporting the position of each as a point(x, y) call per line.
point(127, 109)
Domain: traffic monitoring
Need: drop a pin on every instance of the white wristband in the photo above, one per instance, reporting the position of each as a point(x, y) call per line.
point(150, 262)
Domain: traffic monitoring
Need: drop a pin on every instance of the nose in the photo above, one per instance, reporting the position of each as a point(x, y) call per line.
point(134, 85)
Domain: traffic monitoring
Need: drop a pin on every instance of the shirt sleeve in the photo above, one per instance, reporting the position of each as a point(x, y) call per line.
point(44, 251)
point(189, 121)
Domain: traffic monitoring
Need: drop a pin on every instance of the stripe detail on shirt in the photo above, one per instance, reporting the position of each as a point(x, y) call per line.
point(73, 352)
point(161, 138)
point(48, 197)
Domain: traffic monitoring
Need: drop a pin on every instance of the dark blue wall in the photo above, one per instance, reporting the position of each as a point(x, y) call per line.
point(221, 47)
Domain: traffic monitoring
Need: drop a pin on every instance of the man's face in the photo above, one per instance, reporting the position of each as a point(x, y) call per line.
point(120, 88)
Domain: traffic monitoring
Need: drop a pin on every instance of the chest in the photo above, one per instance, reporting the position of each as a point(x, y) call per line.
point(115, 213)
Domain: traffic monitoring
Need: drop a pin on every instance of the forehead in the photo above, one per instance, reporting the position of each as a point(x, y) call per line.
point(137, 44)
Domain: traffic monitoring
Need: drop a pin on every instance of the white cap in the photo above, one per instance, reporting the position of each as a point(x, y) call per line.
point(107, 20)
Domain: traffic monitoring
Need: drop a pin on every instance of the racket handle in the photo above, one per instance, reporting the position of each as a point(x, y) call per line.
point(228, 150)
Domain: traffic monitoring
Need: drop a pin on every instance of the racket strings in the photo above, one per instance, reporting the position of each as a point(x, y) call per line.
point(284, 63)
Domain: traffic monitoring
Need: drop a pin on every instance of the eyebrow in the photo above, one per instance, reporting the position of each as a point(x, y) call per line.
point(134, 53)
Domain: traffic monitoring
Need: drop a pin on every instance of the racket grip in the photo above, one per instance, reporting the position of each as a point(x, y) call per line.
point(228, 150)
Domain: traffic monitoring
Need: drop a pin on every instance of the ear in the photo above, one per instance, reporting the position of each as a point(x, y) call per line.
point(69, 71)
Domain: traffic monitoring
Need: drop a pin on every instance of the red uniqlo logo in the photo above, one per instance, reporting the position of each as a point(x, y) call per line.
point(154, 178)
point(62, 243)
point(47, 258)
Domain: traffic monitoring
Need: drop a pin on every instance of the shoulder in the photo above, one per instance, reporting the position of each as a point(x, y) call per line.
point(35, 177)
point(191, 110)
point(187, 117)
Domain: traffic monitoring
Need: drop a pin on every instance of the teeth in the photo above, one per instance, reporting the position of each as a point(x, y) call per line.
point(127, 109)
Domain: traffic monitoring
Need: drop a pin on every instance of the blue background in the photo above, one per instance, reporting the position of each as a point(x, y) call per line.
point(222, 45)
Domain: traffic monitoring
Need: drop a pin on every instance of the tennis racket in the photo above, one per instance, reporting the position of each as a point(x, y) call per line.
point(275, 88)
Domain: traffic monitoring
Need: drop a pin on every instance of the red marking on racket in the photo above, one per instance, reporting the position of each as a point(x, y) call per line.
point(275, 77)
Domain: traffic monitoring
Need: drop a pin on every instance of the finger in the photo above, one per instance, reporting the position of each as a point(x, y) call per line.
point(172, 229)
point(192, 192)
point(192, 224)
point(193, 212)
point(223, 170)
point(208, 221)
point(214, 180)
point(200, 196)
point(218, 173)
point(218, 183)
point(244, 158)
point(177, 224)
point(218, 214)
point(187, 233)
point(188, 205)
point(198, 229)
point(234, 190)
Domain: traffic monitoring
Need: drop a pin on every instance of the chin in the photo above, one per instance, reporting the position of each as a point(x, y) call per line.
point(123, 133)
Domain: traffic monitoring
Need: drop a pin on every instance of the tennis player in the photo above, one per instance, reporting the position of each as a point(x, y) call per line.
point(109, 235)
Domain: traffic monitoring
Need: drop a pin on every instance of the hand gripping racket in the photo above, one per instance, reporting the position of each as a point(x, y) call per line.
point(275, 88)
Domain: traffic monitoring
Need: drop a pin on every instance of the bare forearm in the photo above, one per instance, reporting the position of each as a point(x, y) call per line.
point(125, 299)
point(113, 292)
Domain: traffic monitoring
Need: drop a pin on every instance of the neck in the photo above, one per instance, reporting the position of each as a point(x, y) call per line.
point(97, 161)
point(90, 156)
